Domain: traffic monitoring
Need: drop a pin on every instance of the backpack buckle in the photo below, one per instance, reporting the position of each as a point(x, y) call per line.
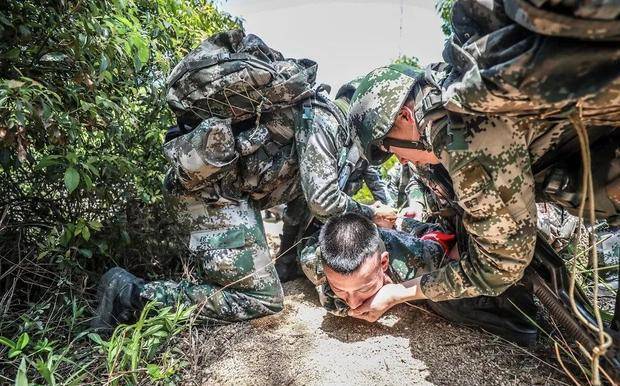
point(308, 113)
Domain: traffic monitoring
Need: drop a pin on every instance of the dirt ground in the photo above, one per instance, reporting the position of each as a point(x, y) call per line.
point(303, 345)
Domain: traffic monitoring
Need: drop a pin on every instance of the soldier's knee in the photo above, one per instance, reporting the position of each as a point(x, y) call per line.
point(272, 296)
point(277, 306)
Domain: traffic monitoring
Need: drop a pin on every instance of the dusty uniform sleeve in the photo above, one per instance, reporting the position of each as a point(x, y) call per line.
point(415, 195)
point(310, 261)
point(494, 185)
point(376, 185)
point(394, 182)
point(318, 150)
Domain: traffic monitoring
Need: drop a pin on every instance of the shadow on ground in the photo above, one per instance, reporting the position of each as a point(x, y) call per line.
point(303, 345)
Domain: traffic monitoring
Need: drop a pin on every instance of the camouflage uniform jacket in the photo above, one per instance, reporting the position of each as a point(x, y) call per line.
point(494, 186)
point(404, 187)
point(371, 175)
point(409, 257)
point(320, 145)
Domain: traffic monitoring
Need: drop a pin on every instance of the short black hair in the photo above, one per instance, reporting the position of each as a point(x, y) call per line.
point(347, 241)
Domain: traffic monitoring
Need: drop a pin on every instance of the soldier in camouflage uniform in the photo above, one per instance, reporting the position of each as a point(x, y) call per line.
point(370, 174)
point(409, 255)
point(489, 159)
point(350, 282)
point(223, 183)
point(298, 215)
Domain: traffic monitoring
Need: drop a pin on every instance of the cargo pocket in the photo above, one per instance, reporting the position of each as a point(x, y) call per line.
point(204, 154)
point(487, 215)
point(217, 239)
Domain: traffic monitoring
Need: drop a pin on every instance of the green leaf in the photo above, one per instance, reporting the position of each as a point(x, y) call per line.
point(11, 54)
point(143, 53)
point(85, 233)
point(45, 372)
point(78, 229)
point(137, 63)
point(23, 340)
point(88, 182)
point(91, 168)
point(85, 252)
point(48, 160)
point(95, 225)
point(104, 62)
point(21, 379)
point(154, 372)
point(7, 342)
point(97, 339)
point(72, 179)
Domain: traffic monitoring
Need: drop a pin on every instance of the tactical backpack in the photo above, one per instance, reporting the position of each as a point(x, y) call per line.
point(536, 59)
point(236, 76)
point(231, 96)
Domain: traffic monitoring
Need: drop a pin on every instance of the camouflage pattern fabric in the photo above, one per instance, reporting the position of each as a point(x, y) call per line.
point(404, 189)
point(235, 278)
point(492, 178)
point(518, 58)
point(495, 188)
point(236, 76)
point(365, 172)
point(377, 186)
point(409, 257)
point(376, 102)
point(320, 146)
point(259, 162)
point(225, 181)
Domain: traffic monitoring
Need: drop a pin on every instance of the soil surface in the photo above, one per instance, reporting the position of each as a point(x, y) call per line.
point(304, 345)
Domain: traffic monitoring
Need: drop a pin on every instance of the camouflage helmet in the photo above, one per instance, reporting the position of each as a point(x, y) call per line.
point(348, 89)
point(376, 103)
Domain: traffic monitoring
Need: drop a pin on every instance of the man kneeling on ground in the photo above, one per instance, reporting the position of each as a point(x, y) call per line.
point(362, 271)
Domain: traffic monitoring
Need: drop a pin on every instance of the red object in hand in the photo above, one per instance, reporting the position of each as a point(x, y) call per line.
point(446, 240)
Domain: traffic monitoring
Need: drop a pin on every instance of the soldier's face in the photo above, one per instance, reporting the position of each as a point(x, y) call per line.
point(362, 284)
point(405, 128)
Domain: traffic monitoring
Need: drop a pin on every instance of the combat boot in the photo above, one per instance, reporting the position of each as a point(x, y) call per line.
point(119, 299)
point(508, 315)
point(286, 264)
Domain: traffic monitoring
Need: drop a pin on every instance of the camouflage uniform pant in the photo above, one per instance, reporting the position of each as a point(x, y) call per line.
point(236, 278)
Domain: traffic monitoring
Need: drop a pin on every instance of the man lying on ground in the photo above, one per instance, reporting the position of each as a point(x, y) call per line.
point(359, 268)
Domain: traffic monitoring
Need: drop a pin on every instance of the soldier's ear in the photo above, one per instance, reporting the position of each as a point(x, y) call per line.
point(385, 260)
point(406, 113)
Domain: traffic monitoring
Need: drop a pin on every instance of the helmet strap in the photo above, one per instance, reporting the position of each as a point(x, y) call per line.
point(405, 144)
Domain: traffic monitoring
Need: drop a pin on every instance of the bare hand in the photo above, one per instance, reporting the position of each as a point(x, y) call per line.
point(415, 211)
point(384, 216)
point(372, 309)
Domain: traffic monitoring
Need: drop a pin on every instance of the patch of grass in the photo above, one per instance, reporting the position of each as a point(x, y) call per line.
point(131, 351)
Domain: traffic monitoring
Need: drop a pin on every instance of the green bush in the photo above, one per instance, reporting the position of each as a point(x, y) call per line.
point(82, 120)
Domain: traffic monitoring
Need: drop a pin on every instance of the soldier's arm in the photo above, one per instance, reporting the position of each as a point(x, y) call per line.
point(376, 185)
point(309, 260)
point(318, 152)
point(415, 195)
point(494, 186)
point(394, 182)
